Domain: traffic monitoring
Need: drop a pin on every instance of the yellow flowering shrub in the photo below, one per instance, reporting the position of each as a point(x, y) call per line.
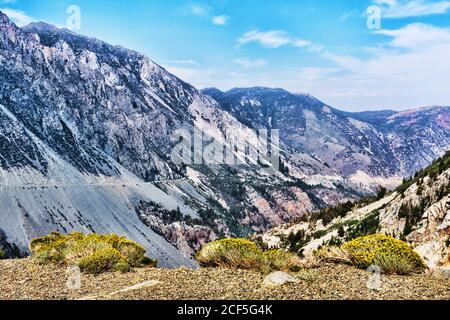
point(244, 254)
point(92, 253)
point(102, 260)
point(390, 254)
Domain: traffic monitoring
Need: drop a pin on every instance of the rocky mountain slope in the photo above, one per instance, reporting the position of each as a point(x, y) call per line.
point(418, 212)
point(87, 131)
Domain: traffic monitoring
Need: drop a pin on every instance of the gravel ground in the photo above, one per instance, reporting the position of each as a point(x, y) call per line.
point(22, 279)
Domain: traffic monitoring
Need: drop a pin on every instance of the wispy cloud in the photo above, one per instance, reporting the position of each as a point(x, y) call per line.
point(417, 36)
point(205, 11)
point(314, 73)
point(414, 8)
point(348, 15)
point(220, 20)
point(199, 10)
point(248, 63)
point(20, 18)
point(272, 39)
point(411, 70)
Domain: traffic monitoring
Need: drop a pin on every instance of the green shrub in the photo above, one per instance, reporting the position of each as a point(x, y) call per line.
point(146, 261)
point(101, 260)
point(93, 253)
point(393, 263)
point(390, 254)
point(2, 254)
point(245, 254)
point(123, 267)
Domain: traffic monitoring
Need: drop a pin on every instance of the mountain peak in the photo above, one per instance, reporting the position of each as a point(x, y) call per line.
point(41, 27)
point(5, 21)
point(256, 90)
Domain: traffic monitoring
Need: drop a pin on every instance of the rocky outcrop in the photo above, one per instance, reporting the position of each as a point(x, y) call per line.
point(417, 212)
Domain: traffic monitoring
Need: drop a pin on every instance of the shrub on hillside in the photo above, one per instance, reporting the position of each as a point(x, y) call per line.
point(2, 254)
point(236, 253)
point(245, 254)
point(390, 254)
point(93, 253)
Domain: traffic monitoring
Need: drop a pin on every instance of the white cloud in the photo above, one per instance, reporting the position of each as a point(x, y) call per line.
point(348, 15)
point(413, 70)
point(248, 63)
point(206, 12)
point(199, 10)
point(20, 18)
point(417, 36)
point(413, 8)
point(272, 39)
point(220, 20)
point(410, 70)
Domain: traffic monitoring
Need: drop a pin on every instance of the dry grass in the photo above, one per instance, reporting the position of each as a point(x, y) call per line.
point(244, 254)
point(333, 254)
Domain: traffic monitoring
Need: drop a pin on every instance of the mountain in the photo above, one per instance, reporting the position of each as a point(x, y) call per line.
point(384, 143)
point(91, 136)
point(418, 211)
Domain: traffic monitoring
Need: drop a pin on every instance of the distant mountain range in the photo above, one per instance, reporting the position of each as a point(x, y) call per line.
point(87, 132)
point(384, 143)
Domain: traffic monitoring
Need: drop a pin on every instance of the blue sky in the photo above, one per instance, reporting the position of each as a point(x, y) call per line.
point(324, 48)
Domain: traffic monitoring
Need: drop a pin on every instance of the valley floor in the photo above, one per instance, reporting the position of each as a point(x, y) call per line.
point(22, 279)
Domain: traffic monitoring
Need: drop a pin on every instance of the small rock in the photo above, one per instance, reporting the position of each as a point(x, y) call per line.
point(276, 279)
point(442, 273)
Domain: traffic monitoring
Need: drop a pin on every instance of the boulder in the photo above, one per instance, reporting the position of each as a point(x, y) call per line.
point(279, 278)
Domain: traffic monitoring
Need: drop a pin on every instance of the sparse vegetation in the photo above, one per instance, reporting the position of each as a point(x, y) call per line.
point(367, 226)
point(296, 240)
point(437, 168)
point(2, 254)
point(333, 254)
point(93, 253)
point(245, 254)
